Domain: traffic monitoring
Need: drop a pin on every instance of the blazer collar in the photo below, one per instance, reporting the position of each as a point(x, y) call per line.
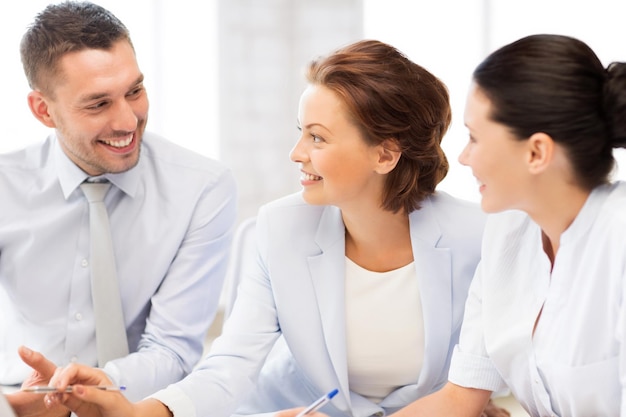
point(434, 273)
point(433, 264)
point(327, 274)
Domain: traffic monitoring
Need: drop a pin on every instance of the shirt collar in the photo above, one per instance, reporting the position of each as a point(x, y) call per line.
point(71, 176)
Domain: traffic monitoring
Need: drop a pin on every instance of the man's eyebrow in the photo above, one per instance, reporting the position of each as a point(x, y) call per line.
point(139, 80)
point(98, 96)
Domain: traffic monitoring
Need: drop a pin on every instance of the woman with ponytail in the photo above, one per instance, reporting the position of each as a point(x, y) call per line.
point(546, 313)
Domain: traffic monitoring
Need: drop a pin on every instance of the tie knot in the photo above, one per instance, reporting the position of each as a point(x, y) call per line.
point(95, 191)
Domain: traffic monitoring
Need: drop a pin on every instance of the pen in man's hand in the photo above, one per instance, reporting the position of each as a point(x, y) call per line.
point(43, 389)
point(316, 405)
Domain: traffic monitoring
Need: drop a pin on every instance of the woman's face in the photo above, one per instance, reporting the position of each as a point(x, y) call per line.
point(496, 157)
point(338, 167)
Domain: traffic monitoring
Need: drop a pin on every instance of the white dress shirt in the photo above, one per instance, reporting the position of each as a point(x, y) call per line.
point(171, 222)
point(573, 363)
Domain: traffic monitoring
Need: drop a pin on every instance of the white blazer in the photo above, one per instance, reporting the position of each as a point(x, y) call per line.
point(296, 295)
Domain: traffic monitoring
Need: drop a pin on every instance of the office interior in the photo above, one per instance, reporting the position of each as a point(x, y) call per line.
point(224, 76)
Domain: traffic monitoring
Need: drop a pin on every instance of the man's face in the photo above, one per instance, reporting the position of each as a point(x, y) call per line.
point(99, 108)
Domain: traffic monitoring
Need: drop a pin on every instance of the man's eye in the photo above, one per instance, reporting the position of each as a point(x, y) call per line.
point(97, 105)
point(136, 91)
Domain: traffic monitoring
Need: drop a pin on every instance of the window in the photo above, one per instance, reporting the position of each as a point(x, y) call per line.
point(450, 37)
point(176, 45)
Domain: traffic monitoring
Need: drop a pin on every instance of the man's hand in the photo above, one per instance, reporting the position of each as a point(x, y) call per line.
point(85, 400)
point(32, 405)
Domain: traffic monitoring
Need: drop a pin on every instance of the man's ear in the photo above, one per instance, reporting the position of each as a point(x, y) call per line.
point(388, 156)
point(38, 105)
point(541, 149)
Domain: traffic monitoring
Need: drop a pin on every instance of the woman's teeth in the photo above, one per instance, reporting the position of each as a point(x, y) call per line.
point(311, 177)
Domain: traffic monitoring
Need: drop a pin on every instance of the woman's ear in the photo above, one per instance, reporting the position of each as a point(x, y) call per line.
point(38, 105)
point(540, 152)
point(388, 156)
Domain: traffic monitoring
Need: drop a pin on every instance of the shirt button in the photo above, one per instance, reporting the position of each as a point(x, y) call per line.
point(84, 263)
point(78, 316)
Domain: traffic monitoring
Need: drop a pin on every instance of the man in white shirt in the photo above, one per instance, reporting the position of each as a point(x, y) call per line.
point(171, 213)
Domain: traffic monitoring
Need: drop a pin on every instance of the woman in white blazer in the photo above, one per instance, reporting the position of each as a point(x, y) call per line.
point(307, 294)
point(361, 278)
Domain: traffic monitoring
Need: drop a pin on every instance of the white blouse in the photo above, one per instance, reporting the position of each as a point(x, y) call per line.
point(384, 330)
point(572, 364)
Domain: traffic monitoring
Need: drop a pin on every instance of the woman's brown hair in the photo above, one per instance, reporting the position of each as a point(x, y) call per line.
point(390, 97)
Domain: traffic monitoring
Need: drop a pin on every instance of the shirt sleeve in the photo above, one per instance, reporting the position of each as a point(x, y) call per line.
point(187, 299)
point(471, 366)
point(228, 373)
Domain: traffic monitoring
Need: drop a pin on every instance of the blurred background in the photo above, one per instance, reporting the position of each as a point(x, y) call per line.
point(224, 76)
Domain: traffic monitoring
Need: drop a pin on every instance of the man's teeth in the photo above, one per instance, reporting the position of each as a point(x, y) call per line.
point(119, 143)
point(311, 177)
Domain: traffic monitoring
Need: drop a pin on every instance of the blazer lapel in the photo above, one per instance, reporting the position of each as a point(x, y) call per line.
point(434, 274)
point(327, 274)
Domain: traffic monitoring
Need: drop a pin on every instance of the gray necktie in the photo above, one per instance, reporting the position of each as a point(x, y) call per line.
point(110, 329)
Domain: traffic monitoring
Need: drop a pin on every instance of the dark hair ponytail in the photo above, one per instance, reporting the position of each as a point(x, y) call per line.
point(557, 85)
point(615, 104)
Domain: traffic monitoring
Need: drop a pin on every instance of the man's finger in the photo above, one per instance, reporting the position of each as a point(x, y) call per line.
point(37, 361)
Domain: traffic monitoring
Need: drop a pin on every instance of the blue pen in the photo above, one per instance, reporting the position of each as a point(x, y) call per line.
point(318, 403)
